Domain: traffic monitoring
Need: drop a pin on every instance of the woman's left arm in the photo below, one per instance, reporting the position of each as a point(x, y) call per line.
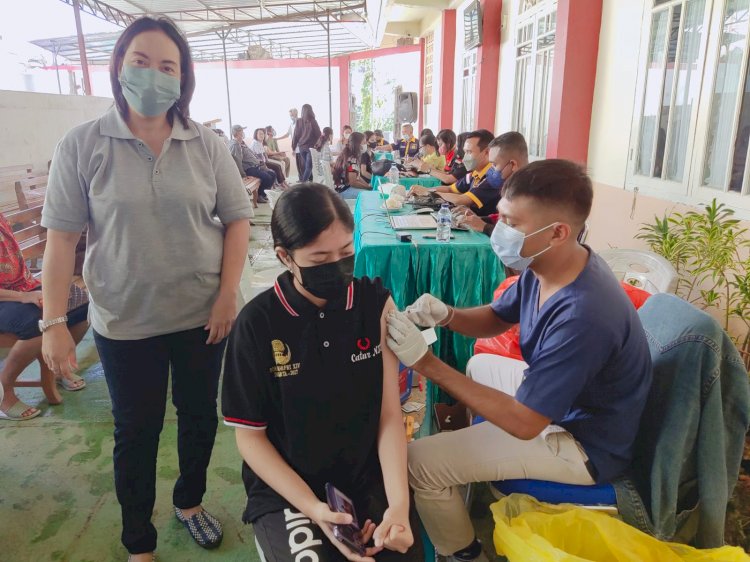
point(394, 532)
point(224, 310)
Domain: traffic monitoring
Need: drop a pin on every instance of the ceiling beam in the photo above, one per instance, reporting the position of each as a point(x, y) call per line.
point(435, 4)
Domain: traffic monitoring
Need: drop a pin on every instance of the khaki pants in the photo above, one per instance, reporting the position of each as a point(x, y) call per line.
point(481, 453)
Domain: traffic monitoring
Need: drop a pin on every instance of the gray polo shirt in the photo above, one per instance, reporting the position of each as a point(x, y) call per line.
point(156, 225)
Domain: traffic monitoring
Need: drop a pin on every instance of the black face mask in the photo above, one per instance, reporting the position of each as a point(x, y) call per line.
point(328, 280)
point(372, 144)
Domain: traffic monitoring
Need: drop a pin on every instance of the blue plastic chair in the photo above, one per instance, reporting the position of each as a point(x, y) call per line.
point(597, 496)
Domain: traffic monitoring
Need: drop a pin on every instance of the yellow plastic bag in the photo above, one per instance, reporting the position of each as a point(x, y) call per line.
point(530, 531)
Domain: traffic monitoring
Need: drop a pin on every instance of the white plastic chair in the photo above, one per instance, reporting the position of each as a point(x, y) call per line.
point(643, 269)
point(316, 167)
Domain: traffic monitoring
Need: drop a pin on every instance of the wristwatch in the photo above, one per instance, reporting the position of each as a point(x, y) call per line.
point(45, 325)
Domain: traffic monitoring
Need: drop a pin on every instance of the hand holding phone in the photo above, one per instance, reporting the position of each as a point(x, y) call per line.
point(351, 534)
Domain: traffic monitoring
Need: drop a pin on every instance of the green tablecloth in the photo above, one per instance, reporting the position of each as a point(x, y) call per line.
point(463, 272)
point(379, 155)
point(426, 181)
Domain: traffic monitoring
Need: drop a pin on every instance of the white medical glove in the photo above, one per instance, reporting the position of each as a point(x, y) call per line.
point(427, 311)
point(405, 339)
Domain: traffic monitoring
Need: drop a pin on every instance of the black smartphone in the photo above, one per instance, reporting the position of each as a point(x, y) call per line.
point(350, 534)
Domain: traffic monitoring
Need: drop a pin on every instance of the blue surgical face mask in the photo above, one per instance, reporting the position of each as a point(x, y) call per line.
point(148, 91)
point(494, 178)
point(507, 242)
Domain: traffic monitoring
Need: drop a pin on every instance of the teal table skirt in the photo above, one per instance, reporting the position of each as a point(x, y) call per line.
point(463, 272)
point(426, 181)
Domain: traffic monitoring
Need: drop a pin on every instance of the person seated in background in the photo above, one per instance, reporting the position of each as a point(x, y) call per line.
point(474, 190)
point(260, 150)
point(347, 172)
point(407, 145)
point(452, 149)
point(222, 136)
point(20, 312)
point(508, 154)
point(380, 141)
point(569, 413)
point(367, 157)
point(249, 164)
point(323, 146)
point(426, 131)
point(346, 132)
point(273, 150)
point(430, 155)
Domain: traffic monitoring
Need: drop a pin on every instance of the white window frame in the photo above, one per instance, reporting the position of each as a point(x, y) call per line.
point(531, 12)
point(469, 89)
point(738, 201)
point(690, 190)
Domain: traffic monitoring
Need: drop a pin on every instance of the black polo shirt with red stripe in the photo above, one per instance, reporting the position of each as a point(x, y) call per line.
point(313, 380)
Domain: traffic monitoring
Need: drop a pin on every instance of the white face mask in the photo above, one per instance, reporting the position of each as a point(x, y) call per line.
point(507, 242)
point(347, 135)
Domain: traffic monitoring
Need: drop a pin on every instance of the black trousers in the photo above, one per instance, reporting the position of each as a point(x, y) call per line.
point(300, 161)
point(137, 373)
point(289, 536)
point(266, 177)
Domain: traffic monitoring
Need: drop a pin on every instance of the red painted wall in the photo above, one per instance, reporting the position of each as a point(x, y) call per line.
point(488, 65)
point(447, 69)
point(573, 78)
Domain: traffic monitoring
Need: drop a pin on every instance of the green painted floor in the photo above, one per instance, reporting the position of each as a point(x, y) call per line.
point(57, 499)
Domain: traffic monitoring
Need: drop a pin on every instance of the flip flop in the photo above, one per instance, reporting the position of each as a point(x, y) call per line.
point(14, 413)
point(68, 384)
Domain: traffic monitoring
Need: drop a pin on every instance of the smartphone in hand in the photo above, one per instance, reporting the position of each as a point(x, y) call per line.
point(350, 534)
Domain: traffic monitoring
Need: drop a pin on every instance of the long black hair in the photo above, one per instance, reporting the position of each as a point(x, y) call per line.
point(307, 113)
point(325, 136)
point(460, 144)
point(187, 74)
point(351, 150)
point(303, 213)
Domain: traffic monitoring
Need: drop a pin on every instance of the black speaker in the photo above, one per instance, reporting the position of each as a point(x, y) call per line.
point(406, 107)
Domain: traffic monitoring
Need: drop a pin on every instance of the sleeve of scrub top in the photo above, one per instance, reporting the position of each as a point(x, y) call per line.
point(571, 354)
point(66, 205)
point(245, 393)
point(508, 305)
point(232, 200)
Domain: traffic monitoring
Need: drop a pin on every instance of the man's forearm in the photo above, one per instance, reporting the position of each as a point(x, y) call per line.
point(480, 322)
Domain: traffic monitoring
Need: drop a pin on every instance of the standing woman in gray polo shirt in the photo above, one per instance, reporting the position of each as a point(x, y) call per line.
point(168, 229)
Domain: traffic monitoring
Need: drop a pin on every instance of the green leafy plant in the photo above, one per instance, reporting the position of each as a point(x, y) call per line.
point(709, 249)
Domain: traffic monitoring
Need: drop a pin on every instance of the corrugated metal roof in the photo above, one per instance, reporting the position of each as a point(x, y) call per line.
point(252, 28)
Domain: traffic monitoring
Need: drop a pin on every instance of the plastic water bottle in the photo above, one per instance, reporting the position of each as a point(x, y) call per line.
point(443, 224)
point(393, 175)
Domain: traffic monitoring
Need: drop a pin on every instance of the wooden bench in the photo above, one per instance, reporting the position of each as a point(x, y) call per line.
point(31, 191)
point(251, 185)
point(8, 177)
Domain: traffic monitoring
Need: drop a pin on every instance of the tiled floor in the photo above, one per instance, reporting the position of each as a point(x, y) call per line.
point(57, 498)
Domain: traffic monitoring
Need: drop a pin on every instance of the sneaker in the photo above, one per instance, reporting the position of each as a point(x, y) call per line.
point(203, 527)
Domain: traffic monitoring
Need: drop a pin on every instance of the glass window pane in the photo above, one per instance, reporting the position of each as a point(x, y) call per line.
point(666, 100)
point(724, 100)
point(652, 96)
point(686, 91)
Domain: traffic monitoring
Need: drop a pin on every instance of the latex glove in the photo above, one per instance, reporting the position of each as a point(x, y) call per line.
point(405, 339)
point(427, 311)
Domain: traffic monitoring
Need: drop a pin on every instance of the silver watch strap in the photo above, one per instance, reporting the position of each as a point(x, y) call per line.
point(55, 321)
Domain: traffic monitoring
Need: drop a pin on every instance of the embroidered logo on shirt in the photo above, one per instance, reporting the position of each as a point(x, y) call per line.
point(363, 344)
point(363, 355)
point(281, 352)
point(283, 356)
